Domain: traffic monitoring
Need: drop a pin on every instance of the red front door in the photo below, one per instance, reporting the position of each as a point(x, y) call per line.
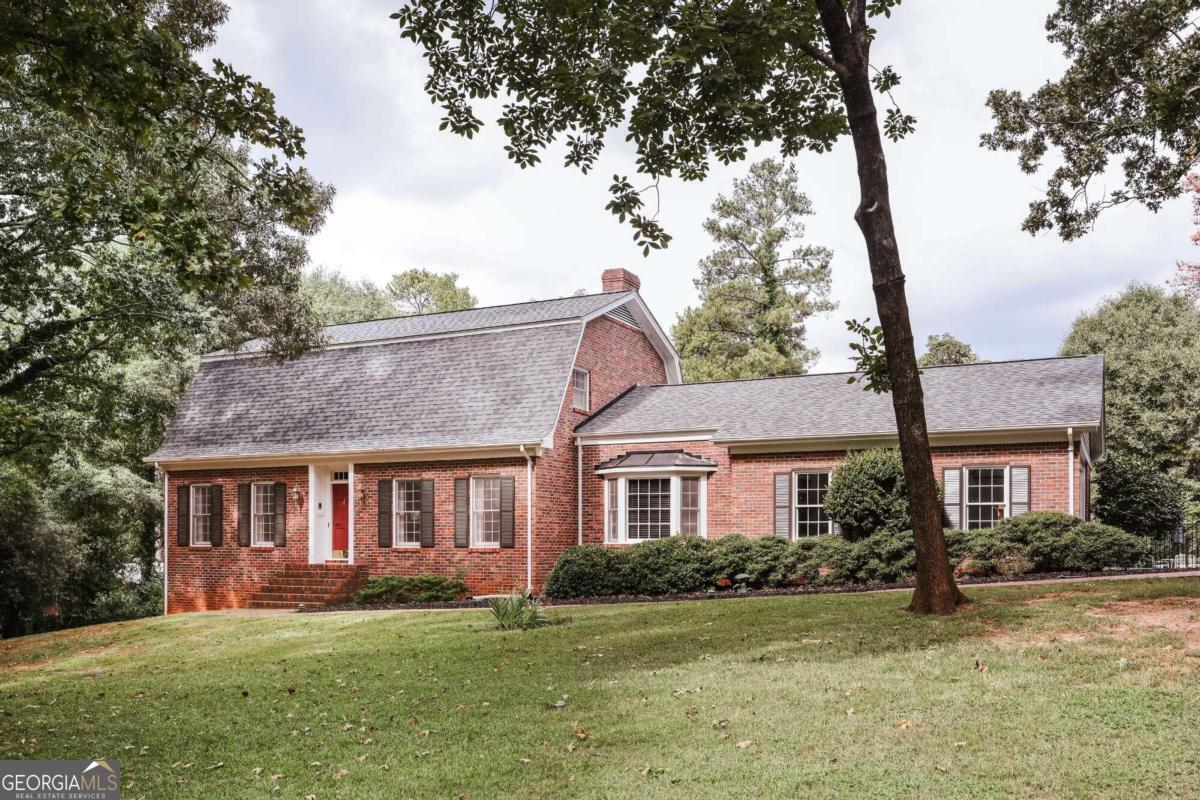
point(341, 520)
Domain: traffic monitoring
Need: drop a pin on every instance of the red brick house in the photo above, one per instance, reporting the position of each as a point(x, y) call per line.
point(485, 442)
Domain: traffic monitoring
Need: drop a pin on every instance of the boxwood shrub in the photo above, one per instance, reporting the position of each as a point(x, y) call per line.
point(411, 589)
point(1037, 542)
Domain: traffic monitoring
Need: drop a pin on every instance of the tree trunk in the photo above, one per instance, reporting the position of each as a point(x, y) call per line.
point(936, 591)
point(10, 627)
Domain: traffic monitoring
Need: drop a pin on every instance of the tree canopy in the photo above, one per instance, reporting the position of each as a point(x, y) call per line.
point(760, 284)
point(1150, 339)
point(943, 349)
point(1187, 276)
point(1126, 99)
point(336, 298)
point(420, 291)
point(146, 204)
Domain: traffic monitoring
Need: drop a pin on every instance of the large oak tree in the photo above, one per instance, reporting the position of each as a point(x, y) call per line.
point(690, 82)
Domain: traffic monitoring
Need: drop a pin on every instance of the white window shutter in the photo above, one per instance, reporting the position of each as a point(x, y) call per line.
point(1019, 478)
point(952, 496)
point(783, 504)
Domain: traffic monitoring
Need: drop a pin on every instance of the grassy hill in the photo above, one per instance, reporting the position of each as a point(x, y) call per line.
point(1082, 690)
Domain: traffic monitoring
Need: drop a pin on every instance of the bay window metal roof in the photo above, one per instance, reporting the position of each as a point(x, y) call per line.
point(659, 459)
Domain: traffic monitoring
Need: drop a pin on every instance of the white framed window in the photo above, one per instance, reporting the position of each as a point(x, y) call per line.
point(638, 508)
point(612, 506)
point(809, 503)
point(581, 390)
point(648, 508)
point(262, 520)
point(987, 497)
point(201, 514)
point(406, 502)
point(485, 512)
point(689, 505)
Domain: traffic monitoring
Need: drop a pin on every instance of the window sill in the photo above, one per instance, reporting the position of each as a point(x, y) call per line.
point(487, 548)
point(262, 547)
point(199, 547)
point(406, 546)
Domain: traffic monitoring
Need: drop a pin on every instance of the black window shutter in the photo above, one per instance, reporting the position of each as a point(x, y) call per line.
point(183, 515)
point(462, 512)
point(280, 514)
point(218, 516)
point(507, 489)
point(783, 504)
point(384, 513)
point(427, 513)
point(244, 501)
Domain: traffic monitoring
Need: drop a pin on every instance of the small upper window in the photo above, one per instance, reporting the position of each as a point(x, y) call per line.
point(201, 512)
point(581, 390)
point(262, 525)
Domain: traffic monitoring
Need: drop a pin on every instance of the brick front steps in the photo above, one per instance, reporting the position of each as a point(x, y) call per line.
point(310, 585)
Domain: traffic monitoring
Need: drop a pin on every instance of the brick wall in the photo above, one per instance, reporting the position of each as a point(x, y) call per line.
point(205, 578)
point(740, 492)
point(616, 356)
point(486, 570)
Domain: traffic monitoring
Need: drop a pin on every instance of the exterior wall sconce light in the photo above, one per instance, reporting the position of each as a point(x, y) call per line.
point(297, 495)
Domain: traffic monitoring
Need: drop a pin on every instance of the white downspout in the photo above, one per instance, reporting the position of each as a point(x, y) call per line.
point(165, 537)
point(1070, 471)
point(578, 492)
point(528, 519)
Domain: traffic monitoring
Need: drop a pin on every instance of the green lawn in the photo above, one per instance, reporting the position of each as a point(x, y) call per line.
point(823, 696)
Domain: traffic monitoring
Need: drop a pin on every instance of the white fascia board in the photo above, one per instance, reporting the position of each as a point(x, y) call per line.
point(1017, 435)
point(350, 457)
point(653, 331)
point(697, 435)
point(393, 339)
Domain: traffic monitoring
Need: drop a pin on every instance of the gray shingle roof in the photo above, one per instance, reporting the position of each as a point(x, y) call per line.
point(492, 388)
point(456, 321)
point(1008, 394)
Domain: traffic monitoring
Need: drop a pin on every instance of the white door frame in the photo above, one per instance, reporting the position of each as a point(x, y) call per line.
point(320, 511)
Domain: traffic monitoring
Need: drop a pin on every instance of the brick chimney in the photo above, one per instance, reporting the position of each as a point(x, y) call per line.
point(619, 280)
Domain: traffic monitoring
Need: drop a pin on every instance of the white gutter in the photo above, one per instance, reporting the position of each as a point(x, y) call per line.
point(578, 492)
point(1070, 471)
point(528, 520)
point(166, 516)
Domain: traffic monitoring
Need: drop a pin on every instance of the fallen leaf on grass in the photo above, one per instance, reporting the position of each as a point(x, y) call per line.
point(905, 724)
point(745, 743)
point(580, 733)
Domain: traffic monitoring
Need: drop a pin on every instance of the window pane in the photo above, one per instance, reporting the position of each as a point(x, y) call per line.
point(580, 389)
point(811, 488)
point(408, 512)
point(689, 505)
point(262, 523)
point(610, 529)
point(649, 503)
point(985, 497)
point(485, 496)
point(201, 515)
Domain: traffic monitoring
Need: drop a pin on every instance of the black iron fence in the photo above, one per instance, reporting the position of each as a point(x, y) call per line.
point(1179, 550)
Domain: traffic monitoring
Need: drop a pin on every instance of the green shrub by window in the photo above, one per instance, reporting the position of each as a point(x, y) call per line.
point(518, 611)
point(1094, 546)
point(589, 570)
point(1040, 534)
point(867, 494)
point(411, 589)
point(663, 566)
point(1137, 496)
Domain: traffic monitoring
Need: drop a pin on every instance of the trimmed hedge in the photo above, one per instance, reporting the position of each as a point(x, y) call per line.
point(1037, 542)
point(411, 589)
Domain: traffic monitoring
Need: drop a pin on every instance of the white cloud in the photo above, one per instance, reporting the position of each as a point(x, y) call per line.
point(410, 195)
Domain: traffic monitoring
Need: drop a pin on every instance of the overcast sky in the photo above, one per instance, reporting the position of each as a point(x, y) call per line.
point(409, 195)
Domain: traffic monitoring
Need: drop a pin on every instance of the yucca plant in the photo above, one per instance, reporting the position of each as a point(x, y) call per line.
point(518, 611)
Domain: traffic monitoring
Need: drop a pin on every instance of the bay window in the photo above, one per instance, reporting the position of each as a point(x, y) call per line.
point(639, 508)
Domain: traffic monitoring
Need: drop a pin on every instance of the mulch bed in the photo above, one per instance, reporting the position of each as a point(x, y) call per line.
point(733, 594)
